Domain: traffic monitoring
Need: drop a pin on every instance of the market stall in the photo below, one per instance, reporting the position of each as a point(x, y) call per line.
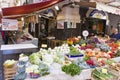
point(72, 60)
point(88, 56)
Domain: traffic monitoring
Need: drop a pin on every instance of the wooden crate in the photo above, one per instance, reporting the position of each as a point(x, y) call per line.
point(9, 73)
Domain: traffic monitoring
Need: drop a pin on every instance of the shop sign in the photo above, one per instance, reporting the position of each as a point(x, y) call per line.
point(9, 24)
point(98, 14)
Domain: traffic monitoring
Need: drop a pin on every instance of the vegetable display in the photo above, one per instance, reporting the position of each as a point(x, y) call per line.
point(21, 72)
point(71, 69)
point(99, 75)
point(9, 63)
point(74, 51)
point(44, 69)
point(117, 54)
point(82, 64)
point(34, 58)
point(115, 66)
point(109, 62)
point(103, 47)
point(77, 55)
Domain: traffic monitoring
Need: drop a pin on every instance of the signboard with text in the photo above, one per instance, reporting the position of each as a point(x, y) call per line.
point(9, 24)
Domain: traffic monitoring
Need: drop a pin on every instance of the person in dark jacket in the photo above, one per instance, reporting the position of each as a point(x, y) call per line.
point(115, 34)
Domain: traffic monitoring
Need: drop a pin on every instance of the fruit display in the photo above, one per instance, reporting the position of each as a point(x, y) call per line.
point(97, 57)
point(9, 63)
point(73, 40)
point(114, 46)
point(102, 74)
point(73, 57)
point(93, 40)
point(71, 69)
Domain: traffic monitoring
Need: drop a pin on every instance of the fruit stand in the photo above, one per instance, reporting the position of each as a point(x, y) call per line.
point(76, 59)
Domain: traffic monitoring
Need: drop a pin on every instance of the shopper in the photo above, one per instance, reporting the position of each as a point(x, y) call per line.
point(93, 31)
point(115, 34)
point(6, 37)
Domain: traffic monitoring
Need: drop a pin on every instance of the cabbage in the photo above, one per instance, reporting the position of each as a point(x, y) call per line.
point(34, 59)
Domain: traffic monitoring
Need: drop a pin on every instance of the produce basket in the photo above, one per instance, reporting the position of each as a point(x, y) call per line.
point(9, 73)
point(99, 76)
point(115, 69)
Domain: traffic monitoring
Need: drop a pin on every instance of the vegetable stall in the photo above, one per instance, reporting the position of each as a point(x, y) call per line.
point(96, 58)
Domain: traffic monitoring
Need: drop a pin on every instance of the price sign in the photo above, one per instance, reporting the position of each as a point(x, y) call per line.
point(104, 71)
point(9, 24)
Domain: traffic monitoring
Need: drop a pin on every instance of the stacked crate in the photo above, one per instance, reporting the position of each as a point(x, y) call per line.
point(9, 73)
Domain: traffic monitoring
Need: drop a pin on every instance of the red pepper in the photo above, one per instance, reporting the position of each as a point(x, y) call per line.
point(90, 62)
point(111, 55)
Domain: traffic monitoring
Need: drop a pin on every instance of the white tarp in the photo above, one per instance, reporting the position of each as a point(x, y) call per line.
point(108, 8)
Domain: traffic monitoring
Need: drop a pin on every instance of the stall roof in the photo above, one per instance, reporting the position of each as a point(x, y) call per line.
point(110, 6)
point(113, 3)
point(27, 9)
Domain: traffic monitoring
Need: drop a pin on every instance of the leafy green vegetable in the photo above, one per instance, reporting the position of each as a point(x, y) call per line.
point(86, 58)
point(71, 69)
point(44, 69)
point(34, 58)
point(109, 62)
point(98, 75)
point(83, 41)
point(74, 51)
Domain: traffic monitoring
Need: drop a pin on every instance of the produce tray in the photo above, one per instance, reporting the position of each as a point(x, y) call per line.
point(9, 73)
point(114, 78)
point(116, 73)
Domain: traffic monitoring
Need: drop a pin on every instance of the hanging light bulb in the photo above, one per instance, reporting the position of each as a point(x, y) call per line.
point(40, 16)
point(57, 8)
point(22, 19)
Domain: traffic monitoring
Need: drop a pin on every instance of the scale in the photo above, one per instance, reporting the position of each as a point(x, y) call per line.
point(85, 33)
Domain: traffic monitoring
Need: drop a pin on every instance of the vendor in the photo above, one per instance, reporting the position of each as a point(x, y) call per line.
point(115, 34)
point(93, 31)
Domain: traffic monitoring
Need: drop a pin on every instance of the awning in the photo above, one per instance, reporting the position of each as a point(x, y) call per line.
point(27, 9)
point(108, 8)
